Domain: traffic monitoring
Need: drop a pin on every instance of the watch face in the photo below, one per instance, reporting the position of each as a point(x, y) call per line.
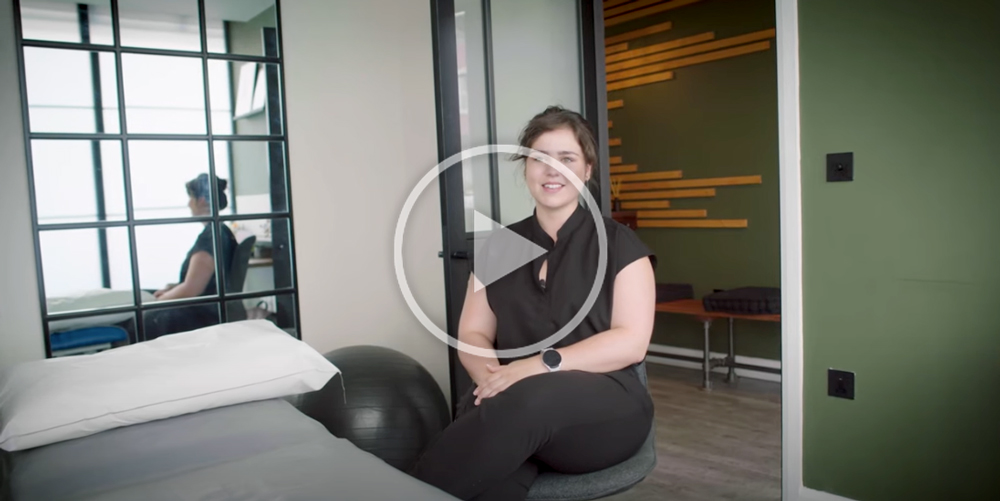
point(552, 358)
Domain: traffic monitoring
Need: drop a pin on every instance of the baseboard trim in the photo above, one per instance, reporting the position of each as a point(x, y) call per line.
point(807, 494)
point(764, 363)
point(690, 355)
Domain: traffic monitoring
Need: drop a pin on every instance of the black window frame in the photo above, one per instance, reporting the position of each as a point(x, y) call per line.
point(273, 47)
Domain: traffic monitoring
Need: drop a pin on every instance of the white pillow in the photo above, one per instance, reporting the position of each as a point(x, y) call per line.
point(58, 399)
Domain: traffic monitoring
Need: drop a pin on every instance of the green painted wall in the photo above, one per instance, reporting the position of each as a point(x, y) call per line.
point(902, 266)
point(714, 119)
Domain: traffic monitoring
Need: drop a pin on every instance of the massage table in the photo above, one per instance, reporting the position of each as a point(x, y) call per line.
point(257, 451)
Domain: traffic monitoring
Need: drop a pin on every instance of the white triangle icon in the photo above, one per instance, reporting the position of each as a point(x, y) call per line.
point(483, 224)
point(499, 251)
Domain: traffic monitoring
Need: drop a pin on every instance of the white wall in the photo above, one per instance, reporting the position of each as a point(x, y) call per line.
point(20, 313)
point(361, 124)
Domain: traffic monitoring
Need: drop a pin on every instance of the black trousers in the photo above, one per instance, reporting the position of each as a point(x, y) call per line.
point(161, 322)
point(570, 422)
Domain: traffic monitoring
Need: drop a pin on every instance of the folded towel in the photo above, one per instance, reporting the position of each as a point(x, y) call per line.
point(745, 301)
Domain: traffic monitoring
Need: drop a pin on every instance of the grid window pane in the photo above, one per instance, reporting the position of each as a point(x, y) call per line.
point(220, 94)
point(245, 25)
point(62, 96)
point(253, 91)
point(80, 181)
point(67, 176)
point(263, 257)
point(164, 321)
point(83, 21)
point(279, 309)
point(160, 25)
point(164, 94)
point(91, 334)
point(169, 255)
point(86, 269)
point(257, 171)
point(161, 172)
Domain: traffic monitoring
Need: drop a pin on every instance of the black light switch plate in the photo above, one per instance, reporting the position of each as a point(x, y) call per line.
point(839, 167)
point(840, 384)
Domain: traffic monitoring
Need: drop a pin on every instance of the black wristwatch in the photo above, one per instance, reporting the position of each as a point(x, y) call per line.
point(552, 359)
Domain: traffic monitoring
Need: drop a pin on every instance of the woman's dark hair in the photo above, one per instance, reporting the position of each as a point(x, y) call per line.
point(557, 117)
point(199, 188)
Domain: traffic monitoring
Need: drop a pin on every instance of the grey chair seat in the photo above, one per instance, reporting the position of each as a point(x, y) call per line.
point(552, 486)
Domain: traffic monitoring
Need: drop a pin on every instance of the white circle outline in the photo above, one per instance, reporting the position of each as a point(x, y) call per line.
point(437, 170)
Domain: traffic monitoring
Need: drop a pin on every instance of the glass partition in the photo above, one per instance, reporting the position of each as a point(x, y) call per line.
point(86, 269)
point(241, 101)
point(256, 173)
point(243, 23)
point(279, 309)
point(81, 21)
point(529, 36)
point(474, 110)
point(164, 94)
point(170, 179)
point(78, 181)
point(158, 167)
point(160, 25)
point(71, 90)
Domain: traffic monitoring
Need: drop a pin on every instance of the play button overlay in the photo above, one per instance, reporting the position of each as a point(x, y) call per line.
point(507, 250)
point(499, 251)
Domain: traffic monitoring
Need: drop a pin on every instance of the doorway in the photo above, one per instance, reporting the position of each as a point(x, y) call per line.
point(477, 34)
point(483, 53)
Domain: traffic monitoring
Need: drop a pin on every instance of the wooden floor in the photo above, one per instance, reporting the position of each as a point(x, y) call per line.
point(711, 446)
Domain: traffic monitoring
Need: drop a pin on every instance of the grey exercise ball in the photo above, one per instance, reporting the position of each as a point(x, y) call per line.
point(393, 406)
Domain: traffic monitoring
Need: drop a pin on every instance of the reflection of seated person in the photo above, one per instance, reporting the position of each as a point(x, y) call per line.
point(198, 271)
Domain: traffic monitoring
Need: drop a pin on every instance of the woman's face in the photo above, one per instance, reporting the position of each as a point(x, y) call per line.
point(547, 185)
point(198, 206)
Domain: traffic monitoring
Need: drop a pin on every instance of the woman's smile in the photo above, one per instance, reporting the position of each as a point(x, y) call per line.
point(552, 187)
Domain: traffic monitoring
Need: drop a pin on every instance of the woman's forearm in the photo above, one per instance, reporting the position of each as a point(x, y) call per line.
point(474, 364)
point(607, 351)
point(179, 291)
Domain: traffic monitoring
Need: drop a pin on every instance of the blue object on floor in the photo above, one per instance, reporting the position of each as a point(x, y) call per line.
point(87, 336)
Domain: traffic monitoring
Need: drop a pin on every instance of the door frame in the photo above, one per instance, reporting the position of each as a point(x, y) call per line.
point(790, 194)
point(595, 109)
point(455, 239)
point(449, 142)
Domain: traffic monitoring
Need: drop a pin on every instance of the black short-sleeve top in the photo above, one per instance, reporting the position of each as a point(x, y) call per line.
point(204, 243)
point(528, 311)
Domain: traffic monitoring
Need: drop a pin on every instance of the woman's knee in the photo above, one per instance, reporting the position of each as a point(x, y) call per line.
point(517, 401)
point(595, 446)
point(533, 401)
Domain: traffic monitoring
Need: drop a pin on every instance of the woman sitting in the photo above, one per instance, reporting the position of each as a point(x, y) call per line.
point(197, 275)
point(577, 406)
